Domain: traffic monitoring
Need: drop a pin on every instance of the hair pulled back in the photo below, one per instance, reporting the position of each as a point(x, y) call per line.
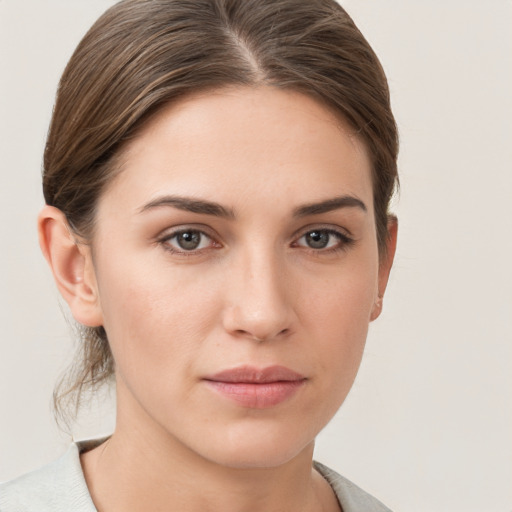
point(143, 54)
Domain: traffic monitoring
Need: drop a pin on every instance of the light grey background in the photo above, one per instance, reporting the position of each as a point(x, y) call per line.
point(427, 426)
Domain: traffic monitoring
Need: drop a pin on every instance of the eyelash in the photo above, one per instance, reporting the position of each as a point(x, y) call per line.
point(344, 241)
point(165, 241)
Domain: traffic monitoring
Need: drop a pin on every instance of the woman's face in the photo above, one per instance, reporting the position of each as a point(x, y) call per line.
point(236, 269)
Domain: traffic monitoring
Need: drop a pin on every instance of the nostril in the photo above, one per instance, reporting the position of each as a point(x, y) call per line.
point(247, 334)
point(250, 321)
point(259, 339)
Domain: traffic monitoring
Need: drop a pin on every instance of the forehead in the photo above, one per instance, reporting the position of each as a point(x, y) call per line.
point(241, 143)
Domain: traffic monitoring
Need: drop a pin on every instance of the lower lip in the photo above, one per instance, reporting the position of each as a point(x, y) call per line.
point(257, 396)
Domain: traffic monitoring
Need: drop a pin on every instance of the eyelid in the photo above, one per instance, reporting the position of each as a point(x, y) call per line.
point(345, 239)
point(343, 234)
point(333, 228)
point(170, 231)
point(167, 234)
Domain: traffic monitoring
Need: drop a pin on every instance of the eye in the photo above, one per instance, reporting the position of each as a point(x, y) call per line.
point(324, 239)
point(188, 240)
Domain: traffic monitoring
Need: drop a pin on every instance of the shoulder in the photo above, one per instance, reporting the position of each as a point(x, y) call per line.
point(57, 487)
point(351, 497)
point(60, 487)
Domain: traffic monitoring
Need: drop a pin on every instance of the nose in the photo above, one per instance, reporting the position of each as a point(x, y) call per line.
point(259, 299)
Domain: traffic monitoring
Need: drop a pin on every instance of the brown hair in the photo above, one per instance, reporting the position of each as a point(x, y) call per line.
point(142, 54)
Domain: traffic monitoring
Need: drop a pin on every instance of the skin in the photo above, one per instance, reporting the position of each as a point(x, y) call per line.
point(256, 291)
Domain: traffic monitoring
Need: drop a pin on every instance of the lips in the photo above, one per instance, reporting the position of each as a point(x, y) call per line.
point(257, 388)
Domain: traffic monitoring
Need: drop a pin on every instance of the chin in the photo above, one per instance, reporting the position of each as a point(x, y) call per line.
point(255, 457)
point(258, 448)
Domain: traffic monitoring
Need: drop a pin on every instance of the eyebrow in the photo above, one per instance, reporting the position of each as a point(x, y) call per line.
point(190, 204)
point(204, 207)
point(329, 205)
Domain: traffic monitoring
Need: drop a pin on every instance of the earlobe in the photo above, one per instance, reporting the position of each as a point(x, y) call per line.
point(377, 308)
point(71, 265)
point(385, 266)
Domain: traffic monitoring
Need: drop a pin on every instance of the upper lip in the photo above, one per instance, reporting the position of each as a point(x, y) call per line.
point(253, 375)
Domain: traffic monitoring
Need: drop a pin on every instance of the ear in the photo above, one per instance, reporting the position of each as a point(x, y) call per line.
point(385, 266)
point(71, 265)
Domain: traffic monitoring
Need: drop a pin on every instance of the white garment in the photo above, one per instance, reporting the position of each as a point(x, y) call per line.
point(60, 487)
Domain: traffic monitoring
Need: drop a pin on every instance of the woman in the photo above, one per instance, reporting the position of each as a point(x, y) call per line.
point(217, 178)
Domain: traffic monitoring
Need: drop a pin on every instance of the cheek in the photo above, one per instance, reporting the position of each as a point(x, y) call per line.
point(154, 317)
point(342, 302)
point(338, 319)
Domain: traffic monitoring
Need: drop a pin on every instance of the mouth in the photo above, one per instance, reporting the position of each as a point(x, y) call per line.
point(256, 388)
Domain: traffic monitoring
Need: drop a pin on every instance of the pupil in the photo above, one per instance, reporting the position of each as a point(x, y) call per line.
point(317, 239)
point(189, 240)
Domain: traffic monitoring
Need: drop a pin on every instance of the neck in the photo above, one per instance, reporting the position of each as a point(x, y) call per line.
point(142, 467)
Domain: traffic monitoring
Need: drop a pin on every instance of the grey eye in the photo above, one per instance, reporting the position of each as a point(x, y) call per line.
point(318, 239)
point(189, 240)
